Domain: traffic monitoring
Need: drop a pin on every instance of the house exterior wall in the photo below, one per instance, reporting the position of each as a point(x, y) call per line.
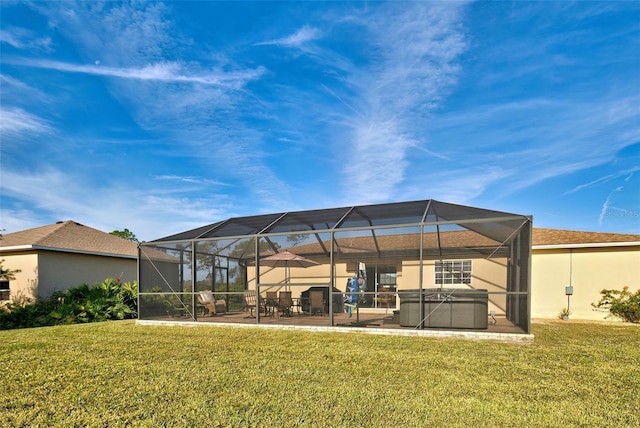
point(488, 275)
point(27, 279)
point(588, 270)
point(313, 275)
point(59, 271)
point(43, 272)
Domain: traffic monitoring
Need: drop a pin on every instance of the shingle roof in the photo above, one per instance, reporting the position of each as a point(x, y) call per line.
point(566, 237)
point(70, 236)
point(469, 239)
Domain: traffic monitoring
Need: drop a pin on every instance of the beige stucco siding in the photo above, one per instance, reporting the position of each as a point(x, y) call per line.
point(42, 272)
point(588, 270)
point(27, 279)
point(59, 271)
point(298, 277)
point(490, 275)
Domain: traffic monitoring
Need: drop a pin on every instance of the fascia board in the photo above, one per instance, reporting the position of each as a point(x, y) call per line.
point(587, 245)
point(65, 250)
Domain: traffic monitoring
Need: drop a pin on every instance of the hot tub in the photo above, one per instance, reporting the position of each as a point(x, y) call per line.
point(445, 308)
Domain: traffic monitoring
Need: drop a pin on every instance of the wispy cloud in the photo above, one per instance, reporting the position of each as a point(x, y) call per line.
point(198, 108)
point(118, 34)
point(191, 180)
point(454, 185)
point(161, 72)
point(543, 138)
point(628, 172)
point(413, 68)
point(298, 39)
point(65, 189)
point(16, 89)
point(347, 103)
point(606, 208)
point(15, 121)
point(23, 39)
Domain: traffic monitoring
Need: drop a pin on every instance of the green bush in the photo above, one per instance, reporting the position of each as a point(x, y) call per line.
point(622, 304)
point(111, 300)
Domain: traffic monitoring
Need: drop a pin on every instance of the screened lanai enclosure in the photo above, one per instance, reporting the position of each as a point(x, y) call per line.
point(409, 265)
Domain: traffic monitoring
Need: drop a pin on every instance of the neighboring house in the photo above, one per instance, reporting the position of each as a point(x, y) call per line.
point(586, 261)
point(61, 256)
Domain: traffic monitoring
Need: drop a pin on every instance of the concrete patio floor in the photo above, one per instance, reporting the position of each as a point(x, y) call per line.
point(369, 323)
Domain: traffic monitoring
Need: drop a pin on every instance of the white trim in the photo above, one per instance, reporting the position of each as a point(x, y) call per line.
point(588, 245)
point(436, 333)
point(65, 250)
point(16, 248)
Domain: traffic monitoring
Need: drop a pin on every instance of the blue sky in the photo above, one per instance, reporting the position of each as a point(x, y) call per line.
point(161, 117)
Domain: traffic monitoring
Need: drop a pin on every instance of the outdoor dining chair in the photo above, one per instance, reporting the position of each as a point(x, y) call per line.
point(285, 302)
point(272, 302)
point(250, 304)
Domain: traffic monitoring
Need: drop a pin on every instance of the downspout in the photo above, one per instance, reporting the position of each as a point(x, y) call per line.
point(331, 279)
point(193, 280)
point(257, 256)
point(570, 280)
point(138, 277)
point(421, 279)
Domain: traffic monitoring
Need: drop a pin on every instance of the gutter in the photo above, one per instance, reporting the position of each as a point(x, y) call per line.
point(588, 245)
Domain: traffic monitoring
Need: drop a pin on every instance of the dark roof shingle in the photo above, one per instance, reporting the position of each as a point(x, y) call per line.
point(543, 236)
point(71, 236)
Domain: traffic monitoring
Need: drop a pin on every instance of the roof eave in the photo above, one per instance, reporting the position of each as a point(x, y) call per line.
point(16, 248)
point(586, 245)
point(66, 250)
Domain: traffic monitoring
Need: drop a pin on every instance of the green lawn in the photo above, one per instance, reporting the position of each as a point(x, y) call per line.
point(124, 374)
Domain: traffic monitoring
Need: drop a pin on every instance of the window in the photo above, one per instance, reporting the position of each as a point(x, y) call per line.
point(382, 281)
point(453, 272)
point(4, 289)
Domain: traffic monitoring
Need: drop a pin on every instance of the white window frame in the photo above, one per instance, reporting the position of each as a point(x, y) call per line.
point(453, 272)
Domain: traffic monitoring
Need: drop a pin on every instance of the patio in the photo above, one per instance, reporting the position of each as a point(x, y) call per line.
point(379, 260)
point(503, 330)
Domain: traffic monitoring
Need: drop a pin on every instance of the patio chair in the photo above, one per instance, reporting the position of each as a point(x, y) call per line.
point(285, 302)
point(272, 302)
point(316, 302)
point(384, 300)
point(213, 305)
point(250, 304)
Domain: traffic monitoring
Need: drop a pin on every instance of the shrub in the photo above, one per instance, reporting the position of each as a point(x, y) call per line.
point(111, 300)
point(622, 304)
point(565, 312)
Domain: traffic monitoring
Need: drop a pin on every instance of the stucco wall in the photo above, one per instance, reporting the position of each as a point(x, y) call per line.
point(593, 269)
point(490, 275)
point(59, 271)
point(313, 275)
point(27, 279)
point(588, 270)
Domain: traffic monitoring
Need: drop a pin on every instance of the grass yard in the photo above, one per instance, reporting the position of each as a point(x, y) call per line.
point(123, 374)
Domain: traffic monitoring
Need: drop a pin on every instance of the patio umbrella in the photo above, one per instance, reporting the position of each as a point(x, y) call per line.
point(287, 260)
